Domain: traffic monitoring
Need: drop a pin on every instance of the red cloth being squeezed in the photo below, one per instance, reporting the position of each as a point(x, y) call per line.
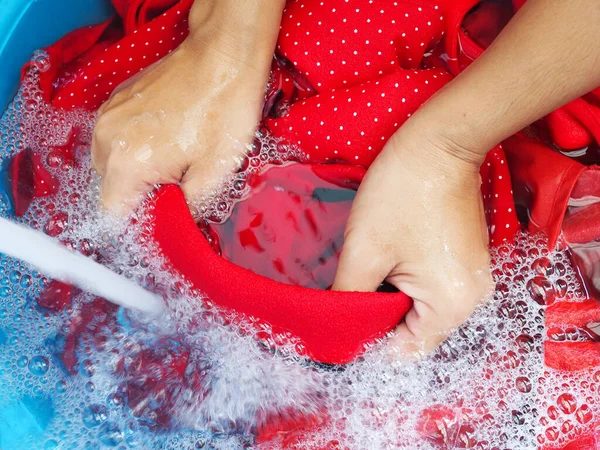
point(335, 115)
point(348, 74)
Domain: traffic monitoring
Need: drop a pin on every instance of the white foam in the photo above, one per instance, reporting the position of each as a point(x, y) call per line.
point(487, 387)
point(57, 262)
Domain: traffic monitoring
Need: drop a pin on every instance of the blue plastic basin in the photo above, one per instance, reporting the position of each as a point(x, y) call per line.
point(26, 25)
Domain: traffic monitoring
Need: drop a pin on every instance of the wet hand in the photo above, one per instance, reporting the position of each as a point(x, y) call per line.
point(186, 120)
point(418, 223)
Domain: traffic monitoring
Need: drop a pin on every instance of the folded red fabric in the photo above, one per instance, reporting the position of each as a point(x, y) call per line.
point(332, 325)
point(544, 193)
point(562, 201)
point(345, 79)
point(360, 118)
point(582, 221)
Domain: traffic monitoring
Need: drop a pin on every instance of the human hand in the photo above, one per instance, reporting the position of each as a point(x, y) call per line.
point(187, 119)
point(418, 223)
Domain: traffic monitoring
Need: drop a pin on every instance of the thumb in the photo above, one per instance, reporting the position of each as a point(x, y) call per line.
point(122, 191)
point(424, 328)
point(415, 337)
point(197, 182)
point(360, 268)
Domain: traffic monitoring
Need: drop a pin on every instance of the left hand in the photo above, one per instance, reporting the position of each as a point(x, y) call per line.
point(418, 223)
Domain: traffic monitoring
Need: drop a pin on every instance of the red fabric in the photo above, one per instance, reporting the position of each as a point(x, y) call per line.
point(486, 21)
point(89, 77)
point(569, 356)
point(583, 225)
point(163, 371)
point(29, 180)
point(353, 124)
point(545, 193)
point(573, 356)
point(291, 229)
point(587, 187)
point(66, 51)
point(342, 44)
point(346, 78)
point(497, 196)
point(89, 321)
point(57, 296)
point(581, 228)
point(333, 325)
point(567, 132)
point(454, 39)
point(583, 118)
point(584, 443)
point(361, 60)
point(563, 202)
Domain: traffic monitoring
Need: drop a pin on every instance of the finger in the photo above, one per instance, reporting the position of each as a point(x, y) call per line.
point(425, 328)
point(360, 268)
point(205, 175)
point(98, 157)
point(198, 182)
point(123, 188)
point(104, 142)
point(100, 149)
point(409, 342)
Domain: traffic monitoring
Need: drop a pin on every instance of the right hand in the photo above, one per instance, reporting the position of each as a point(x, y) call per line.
point(418, 223)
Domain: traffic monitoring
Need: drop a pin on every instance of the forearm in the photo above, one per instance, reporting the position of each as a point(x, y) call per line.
point(244, 29)
point(548, 55)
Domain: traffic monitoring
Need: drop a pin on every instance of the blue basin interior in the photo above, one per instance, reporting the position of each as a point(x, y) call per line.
point(26, 25)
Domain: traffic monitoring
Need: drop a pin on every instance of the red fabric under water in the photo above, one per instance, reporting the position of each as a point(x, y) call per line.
point(290, 229)
point(363, 116)
point(349, 74)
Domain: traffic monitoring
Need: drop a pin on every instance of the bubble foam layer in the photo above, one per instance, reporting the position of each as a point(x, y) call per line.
point(94, 376)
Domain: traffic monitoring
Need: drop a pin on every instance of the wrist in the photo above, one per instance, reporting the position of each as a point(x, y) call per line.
point(245, 30)
point(429, 152)
point(449, 133)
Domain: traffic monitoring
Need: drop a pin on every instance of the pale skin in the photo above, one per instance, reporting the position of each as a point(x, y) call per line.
point(431, 241)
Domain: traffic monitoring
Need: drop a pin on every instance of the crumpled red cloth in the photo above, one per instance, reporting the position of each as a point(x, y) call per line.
point(562, 201)
point(348, 74)
point(387, 90)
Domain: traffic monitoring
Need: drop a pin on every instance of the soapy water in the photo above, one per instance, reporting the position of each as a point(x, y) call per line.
point(200, 379)
point(48, 256)
point(289, 228)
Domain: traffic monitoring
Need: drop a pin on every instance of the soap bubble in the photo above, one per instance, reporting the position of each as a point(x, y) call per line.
point(95, 415)
point(198, 379)
point(39, 365)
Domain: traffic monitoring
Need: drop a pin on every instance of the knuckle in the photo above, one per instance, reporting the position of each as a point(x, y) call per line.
point(106, 108)
point(116, 165)
point(102, 130)
point(355, 249)
point(461, 310)
point(366, 251)
point(103, 108)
